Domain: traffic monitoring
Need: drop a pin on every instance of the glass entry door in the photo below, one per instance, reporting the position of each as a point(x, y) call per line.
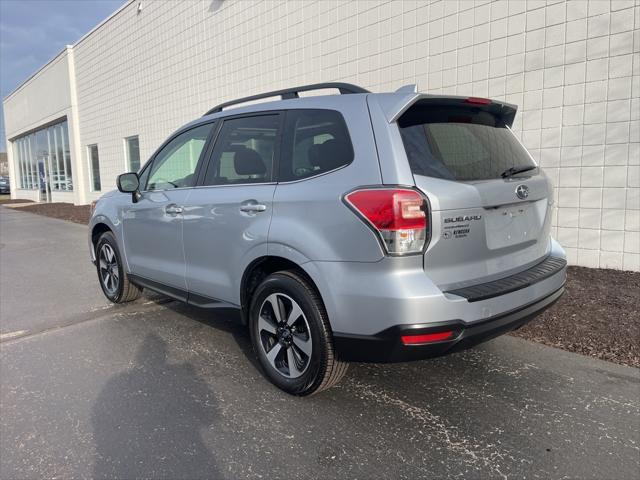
point(44, 167)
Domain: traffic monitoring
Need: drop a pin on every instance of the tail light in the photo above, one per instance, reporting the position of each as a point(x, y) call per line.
point(397, 215)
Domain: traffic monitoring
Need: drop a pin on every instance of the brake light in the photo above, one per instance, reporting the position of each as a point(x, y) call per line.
point(426, 338)
point(478, 101)
point(398, 216)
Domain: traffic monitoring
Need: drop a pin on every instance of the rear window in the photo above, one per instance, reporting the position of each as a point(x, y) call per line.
point(459, 144)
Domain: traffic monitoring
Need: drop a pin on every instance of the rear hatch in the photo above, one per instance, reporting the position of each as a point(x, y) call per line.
point(490, 204)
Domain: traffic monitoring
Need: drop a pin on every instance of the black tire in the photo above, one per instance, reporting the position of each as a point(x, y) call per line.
point(323, 369)
point(122, 290)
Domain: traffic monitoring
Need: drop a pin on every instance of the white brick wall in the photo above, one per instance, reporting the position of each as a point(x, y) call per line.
point(572, 67)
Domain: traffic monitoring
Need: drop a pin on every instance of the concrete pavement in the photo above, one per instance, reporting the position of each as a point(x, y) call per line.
point(163, 390)
point(46, 276)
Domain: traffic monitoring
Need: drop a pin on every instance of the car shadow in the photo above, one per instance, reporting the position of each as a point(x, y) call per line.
point(223, 318)
point(143, 419)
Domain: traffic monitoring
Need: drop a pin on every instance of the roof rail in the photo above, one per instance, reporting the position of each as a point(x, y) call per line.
point(344, 88)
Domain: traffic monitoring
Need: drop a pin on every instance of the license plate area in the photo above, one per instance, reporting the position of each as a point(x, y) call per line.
point(512, 225)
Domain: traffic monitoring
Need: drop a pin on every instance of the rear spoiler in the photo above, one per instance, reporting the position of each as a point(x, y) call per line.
point(394, 105)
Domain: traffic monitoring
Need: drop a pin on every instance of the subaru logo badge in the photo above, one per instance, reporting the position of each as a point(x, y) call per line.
point(522, 191)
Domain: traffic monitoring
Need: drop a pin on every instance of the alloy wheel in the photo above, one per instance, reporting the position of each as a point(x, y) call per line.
point(109, 272)
point(284, 335)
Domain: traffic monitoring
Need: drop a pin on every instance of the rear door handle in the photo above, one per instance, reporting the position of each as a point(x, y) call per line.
point(172, 209)
point(253, 207)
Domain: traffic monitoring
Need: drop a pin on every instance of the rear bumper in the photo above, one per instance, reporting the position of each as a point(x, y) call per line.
point(387, 346)
point(368, 298)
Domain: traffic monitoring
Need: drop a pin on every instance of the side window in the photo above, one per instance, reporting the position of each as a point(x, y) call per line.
point(244, 151)
point(316, 141)
point(175, 165)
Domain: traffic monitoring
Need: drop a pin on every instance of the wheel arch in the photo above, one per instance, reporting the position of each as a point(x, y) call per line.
point(259, 269)
point(97, 231)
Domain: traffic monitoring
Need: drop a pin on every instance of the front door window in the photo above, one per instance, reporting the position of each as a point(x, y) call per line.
point(175, 165)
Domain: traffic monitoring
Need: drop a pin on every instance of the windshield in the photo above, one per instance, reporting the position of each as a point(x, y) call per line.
point(460, 144)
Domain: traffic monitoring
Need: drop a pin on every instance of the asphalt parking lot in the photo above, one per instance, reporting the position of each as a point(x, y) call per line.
point(158, 389)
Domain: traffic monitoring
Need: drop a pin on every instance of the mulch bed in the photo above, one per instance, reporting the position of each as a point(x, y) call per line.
point(599, 316)
point(64, 211)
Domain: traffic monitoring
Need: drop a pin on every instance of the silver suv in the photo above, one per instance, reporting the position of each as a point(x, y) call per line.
point(351, 227)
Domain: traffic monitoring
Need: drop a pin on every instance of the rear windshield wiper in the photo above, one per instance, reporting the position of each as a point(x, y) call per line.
point(515, 170)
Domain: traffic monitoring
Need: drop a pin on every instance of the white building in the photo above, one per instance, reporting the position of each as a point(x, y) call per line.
point(104, 104)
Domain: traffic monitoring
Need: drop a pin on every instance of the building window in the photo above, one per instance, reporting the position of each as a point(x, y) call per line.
point(44, 159)
point(94, 167)
point(132, 150)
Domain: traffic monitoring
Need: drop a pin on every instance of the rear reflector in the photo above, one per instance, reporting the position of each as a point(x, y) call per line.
point(396, 214)
point(478, 101)
point(426, 338)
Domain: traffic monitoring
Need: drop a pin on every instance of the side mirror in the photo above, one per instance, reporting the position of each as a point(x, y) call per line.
point(129, 183)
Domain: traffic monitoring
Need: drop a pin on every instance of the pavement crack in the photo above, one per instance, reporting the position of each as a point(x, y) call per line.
point(485, 457)
point(89, 316)
point(14, 334)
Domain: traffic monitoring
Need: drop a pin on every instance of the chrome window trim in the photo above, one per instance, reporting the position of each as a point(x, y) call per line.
point(235, 185)
point(210, 186)
point(316, 176)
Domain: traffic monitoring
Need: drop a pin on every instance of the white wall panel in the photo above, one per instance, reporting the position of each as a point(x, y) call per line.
point(573, 68)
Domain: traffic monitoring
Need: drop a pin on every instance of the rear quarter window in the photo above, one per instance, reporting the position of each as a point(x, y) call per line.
point(315, 142)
